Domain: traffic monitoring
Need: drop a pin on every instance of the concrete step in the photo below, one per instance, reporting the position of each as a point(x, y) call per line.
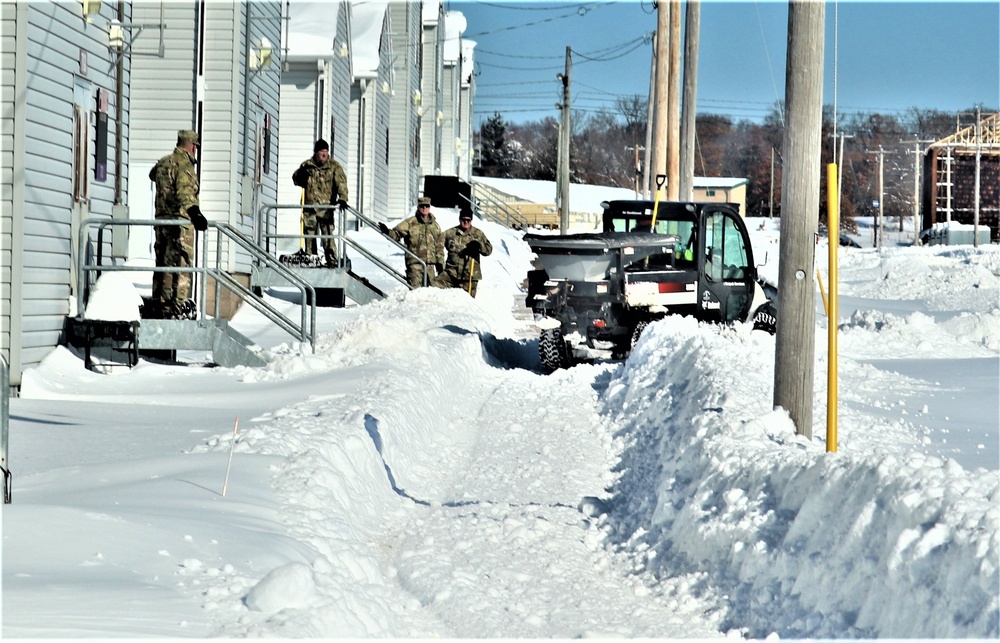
point(228, 347)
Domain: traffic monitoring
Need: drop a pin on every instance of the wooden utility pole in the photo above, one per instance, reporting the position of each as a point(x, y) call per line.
point(916, 193)
point(659, 160)
point(650, 120)
point(674, 104)
point(692, 26)
point(878, 228)
point(565, 137)
point(979, 160)
point(770, 198)
point(794, 355)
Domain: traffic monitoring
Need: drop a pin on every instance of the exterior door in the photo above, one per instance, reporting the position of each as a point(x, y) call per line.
point(727, 282)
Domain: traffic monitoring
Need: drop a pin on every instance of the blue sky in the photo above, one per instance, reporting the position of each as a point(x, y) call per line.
point(890, 56)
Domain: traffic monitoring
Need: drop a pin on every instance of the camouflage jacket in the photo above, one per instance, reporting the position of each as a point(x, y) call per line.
point(422, 239)
point(324, 183)
point(460, 261)
point(176, 184)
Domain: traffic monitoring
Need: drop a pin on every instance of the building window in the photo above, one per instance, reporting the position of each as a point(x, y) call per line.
point(709, 192)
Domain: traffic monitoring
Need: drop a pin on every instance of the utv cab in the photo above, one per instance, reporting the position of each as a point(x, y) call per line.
point(595, 293)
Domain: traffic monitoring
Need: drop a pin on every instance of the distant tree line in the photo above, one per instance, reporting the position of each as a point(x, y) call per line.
point(604, 145)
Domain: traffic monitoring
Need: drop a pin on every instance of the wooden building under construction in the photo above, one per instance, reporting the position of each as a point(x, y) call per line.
point(958, 167)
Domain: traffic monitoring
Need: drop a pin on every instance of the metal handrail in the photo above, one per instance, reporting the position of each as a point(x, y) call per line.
point(508, 214)
point(5, 426)
point(305, 288)
point(340, 238)
point(301, 332)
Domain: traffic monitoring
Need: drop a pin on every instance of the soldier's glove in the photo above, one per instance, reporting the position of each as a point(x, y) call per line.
point(472, 249)
point(383, 228)
point(343, 204)
point(198, 219)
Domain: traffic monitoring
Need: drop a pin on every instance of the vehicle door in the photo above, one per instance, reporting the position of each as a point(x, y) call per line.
point(728, 276)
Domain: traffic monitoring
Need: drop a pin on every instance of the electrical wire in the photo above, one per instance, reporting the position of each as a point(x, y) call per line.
point(770, 69)
point(581, 11)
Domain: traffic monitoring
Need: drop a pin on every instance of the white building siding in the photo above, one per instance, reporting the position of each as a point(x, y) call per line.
point(403, 124)
point(54, 66)
point(199, 84)
point(340, 92)
point(8, 56)
point(430, 129)
point(382, 130)
point(449, 107)
point(299, 98)
point(163, 102)
point(370, 116)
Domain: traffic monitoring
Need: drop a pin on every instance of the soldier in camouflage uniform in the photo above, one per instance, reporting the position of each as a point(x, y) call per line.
point(422, 236)
point(465, 245)
point(176, 179)
point(325, 183)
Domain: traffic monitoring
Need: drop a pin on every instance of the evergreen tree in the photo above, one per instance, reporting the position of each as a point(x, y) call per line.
point(496, 157)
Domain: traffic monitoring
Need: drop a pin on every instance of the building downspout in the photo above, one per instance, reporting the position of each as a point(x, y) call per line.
point(119, 99)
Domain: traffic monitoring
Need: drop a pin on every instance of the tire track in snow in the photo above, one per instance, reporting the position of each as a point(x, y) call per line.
point(507, 552)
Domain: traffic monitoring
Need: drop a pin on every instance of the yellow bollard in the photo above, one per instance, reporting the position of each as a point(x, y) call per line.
point(832, 313)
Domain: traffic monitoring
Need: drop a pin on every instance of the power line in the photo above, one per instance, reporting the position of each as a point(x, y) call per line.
point(581, 11)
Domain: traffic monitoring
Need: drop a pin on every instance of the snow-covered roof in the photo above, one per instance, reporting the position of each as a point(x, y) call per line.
point(454, 26)
point(586, 198)
point(718, 182)
point(582, 198)
point(431, 11)
point(468, 51)
point(312, 27)
point(367, 19)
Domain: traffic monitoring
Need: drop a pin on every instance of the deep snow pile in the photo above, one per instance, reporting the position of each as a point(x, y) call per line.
point(416, 476)
point(861, 543)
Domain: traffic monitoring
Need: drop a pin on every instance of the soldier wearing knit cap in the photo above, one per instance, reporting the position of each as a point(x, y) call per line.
point(324, 183)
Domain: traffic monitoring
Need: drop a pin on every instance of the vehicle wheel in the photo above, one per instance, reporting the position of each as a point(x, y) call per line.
point(637, 333)
point(766, 318)
point(553, 351)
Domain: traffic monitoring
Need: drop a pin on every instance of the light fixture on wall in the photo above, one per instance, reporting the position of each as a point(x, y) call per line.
point(418, 99)
point(343, 51)
point(385, 87)
point(91, 8)
point(116, 36)
point(440, 118)
point(260, 58)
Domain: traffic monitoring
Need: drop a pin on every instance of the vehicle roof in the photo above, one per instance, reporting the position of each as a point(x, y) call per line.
point(678, 210)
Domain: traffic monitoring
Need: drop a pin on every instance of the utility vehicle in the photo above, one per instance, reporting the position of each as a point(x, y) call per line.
point(594, 293)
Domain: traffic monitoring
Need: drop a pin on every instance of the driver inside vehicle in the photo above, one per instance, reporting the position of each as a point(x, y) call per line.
point(685, 252)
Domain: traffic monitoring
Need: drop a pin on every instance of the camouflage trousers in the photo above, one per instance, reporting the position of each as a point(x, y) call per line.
point(415, 274)
point(448, 280)
point(314, 222)
point(174, 248)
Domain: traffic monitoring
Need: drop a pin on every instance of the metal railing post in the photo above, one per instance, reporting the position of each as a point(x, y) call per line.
point(5, 426)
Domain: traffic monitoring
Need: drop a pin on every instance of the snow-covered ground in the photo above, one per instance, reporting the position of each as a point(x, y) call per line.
point(416, 476)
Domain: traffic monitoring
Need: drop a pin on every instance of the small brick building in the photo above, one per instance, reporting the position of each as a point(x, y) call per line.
point(949, 184)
